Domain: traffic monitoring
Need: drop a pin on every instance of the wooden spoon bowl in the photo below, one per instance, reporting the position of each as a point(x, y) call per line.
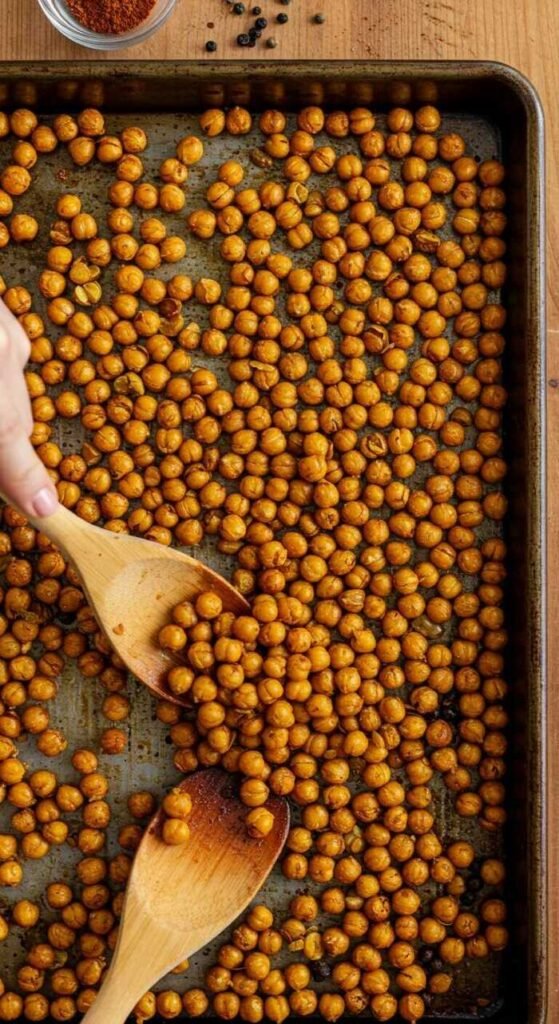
point(132, 585)
point(180, 897)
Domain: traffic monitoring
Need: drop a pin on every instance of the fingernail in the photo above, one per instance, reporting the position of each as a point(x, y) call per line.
point(45, 502)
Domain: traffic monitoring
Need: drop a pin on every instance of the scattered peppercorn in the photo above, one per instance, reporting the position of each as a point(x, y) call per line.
point(239, 8)
point(243, 39)
point(468, 899)
point(319, 19)
point(282, 19)
point(211, 46)
point(271, 43)
point(261, 23)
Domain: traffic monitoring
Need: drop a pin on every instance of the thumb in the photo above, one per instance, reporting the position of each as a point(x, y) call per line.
point(24, 480)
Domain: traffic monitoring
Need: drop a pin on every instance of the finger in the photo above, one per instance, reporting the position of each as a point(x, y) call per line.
point(14, 380)
point(14, 331)
point(23, 478)
point(14, 353)
point(19, 393)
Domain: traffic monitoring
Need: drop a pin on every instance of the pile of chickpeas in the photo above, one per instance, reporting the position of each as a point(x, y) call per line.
point(351, 468)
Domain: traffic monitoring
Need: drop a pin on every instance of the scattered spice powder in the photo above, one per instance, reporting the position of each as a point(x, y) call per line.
point(110, 16)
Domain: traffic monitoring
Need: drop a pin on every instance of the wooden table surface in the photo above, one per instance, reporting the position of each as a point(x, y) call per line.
point(523, 33)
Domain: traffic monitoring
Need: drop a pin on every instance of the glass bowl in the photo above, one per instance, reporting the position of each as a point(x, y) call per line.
point(59, 15)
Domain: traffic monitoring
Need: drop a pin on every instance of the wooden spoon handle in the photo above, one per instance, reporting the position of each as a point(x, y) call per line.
point(65, 529)
point(140, 959)
point(115, 1000)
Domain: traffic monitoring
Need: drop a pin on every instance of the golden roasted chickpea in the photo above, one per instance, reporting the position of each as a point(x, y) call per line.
point(169, 1004)
point(91, 122)
point(212, 122)
point(260, 822)
point(195, 1002)
point(23, 122)
point(190, 150)
point(82, 150)
point(25, 154)
point(113, 741)
point(238, 121)
point(172, 249)
point(178, 804)
point(25, 914)
point(23, 227)
point(175, 832)
point(65, 127)
point(15, 180)
point(109, 149)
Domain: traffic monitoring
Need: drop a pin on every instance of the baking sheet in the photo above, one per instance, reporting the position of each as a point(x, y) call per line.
point(148, 760)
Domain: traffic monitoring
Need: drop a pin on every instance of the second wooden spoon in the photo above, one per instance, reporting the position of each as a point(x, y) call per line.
point(180, 897)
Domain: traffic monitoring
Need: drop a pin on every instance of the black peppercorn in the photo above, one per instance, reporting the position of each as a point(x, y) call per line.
point(319, 19)
point(256, 10)
point(66, 619)
point(239, 8)
point(243, 39)
point(468, 899)
point(320, 970)
point(282, 18)
point(211, 46)
point(261, 22)
point(252, 41)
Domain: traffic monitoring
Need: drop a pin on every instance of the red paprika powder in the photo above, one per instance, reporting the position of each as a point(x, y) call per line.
point(111, 17)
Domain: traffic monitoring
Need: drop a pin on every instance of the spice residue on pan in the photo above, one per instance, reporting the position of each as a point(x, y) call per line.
point(111, 16)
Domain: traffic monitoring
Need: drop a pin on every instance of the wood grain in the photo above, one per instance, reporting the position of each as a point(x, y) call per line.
point(523, 33)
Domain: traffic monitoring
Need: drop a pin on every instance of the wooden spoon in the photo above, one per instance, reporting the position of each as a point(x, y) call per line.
point(132, 585)
point(180, 897)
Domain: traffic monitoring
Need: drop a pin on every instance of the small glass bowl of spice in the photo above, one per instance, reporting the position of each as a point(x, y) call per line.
point(107, 24)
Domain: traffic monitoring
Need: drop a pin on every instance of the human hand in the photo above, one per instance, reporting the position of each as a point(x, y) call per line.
point(23, 478)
